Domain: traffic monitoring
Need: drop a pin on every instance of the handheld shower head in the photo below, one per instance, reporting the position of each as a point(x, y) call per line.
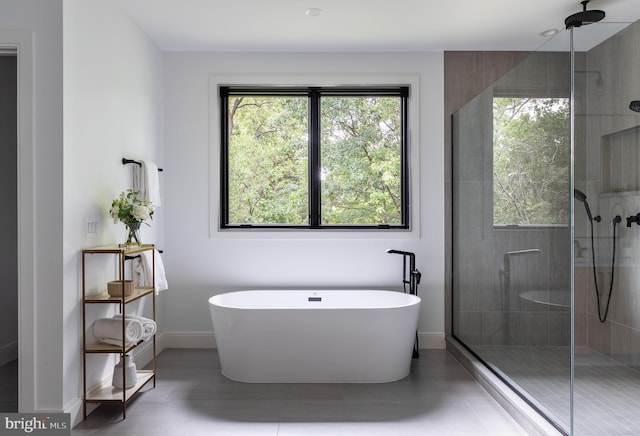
point(581, 196)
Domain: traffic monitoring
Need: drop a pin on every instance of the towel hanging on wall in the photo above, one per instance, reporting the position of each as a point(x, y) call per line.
point(147, 182)
point(142, 271)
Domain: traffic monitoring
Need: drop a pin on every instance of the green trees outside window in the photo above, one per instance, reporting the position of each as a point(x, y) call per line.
point(267, 160)
point(314, 157)
point(531, 160)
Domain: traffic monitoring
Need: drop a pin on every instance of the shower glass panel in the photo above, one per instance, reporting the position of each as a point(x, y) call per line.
point(546, 221)
point(511, 230)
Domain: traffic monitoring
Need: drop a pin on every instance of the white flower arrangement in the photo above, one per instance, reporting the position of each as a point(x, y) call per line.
point(131, 210)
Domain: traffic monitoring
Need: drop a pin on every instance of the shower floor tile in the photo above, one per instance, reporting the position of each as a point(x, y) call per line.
point(606, 395)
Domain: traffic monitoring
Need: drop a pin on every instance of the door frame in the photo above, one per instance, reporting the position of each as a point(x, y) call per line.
point(21, 41)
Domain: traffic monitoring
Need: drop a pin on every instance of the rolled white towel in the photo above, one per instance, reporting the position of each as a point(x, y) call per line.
point(149, 326)
point(111, 328)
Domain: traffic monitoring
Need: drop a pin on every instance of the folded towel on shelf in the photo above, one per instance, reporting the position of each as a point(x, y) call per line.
point(116, 342)
point(110, 329)
point(147, 182)
point(142, 269)
point(148, 325)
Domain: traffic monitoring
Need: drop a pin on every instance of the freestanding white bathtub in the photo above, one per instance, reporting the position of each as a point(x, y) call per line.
point(315, 336)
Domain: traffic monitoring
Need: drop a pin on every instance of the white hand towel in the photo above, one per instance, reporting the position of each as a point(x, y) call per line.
point(111, 328)
point(140, 276)
point(143, 271)
point(161, 277)
point(148, 325)
point(147, 182)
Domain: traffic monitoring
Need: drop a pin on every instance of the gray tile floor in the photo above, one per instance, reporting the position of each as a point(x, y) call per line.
point(192, 398)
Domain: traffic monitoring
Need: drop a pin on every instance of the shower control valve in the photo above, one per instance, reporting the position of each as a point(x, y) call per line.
point(633, 219)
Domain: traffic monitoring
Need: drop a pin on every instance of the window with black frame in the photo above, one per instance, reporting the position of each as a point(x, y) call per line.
point(314, 157)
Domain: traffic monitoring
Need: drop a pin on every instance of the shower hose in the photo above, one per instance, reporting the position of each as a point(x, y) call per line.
point(603, 317)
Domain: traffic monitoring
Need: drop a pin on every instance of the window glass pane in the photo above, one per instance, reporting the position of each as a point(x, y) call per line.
point(531, 156)
point(268, 159)
point(361, 150)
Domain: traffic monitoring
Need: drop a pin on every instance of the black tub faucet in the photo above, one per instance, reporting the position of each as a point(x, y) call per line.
point(413, 282)
point(414, 274)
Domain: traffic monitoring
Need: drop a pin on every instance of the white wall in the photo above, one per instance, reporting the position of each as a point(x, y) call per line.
point(113, 108)
point(200, 266)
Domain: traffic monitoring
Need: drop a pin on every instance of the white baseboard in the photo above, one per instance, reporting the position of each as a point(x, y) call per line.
point(208, 340)
point(74, 408)
point(431, 341)
point(8, 353)
point(188, 340)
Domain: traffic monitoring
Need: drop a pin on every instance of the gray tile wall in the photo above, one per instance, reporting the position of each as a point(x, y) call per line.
point(466, 74)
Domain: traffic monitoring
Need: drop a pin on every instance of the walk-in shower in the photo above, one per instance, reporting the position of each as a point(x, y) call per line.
point(544, 281)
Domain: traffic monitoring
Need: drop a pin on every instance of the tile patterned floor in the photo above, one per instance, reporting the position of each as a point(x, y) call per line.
point(192, 398)
point(607, 394)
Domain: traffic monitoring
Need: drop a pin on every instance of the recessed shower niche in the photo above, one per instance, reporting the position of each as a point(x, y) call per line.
point(620, 154)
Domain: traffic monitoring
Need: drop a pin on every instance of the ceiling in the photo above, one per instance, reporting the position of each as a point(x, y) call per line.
point(359, 25)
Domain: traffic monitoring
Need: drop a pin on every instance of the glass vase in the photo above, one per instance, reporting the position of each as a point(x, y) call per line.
point(133, 237)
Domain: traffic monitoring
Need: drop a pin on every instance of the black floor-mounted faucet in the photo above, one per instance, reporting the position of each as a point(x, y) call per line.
point(413, 282)
point(414, 274)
